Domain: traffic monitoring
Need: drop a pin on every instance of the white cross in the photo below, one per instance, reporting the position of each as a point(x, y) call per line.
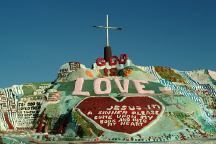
point(107, 27)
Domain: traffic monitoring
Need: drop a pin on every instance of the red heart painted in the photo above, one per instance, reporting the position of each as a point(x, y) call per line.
point(127, 116)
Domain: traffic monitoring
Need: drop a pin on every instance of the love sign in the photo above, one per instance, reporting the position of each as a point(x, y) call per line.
point(130, 115)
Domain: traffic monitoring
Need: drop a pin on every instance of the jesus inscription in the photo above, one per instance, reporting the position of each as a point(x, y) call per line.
point(129, 115)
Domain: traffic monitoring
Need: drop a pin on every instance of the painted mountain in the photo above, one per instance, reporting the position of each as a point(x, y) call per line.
point(115, 101)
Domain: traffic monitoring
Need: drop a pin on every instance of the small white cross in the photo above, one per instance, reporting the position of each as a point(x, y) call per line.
point(107, 27)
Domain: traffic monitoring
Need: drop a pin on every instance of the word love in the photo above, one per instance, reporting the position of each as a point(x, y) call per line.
point(113, 61)
point(122, 86)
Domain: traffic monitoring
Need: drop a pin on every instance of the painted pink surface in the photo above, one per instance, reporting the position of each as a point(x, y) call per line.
point(78, 87)
point(140, 87)
point(97, 88)
point(124, 88)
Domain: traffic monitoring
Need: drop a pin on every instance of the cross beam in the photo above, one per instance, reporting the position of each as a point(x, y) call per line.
point(107, 27)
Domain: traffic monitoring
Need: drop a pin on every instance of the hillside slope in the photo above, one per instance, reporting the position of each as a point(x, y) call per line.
point(126, 103)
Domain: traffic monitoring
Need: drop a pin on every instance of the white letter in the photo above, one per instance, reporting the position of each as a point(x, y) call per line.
point(123, 89)
point(97, 84)
point(78, 88)
point(139, 87)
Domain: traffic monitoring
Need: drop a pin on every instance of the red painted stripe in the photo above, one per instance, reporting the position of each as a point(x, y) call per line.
point(8, 121)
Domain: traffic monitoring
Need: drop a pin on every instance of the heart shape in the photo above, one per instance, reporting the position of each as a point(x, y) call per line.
point(129, 115)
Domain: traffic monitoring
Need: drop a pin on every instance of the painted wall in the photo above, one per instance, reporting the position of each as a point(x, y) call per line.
point(118, 102)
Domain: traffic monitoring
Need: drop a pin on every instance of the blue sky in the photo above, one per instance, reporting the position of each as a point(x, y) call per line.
point(38, 36)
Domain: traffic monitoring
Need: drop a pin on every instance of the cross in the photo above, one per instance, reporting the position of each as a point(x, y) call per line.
point(107, 27)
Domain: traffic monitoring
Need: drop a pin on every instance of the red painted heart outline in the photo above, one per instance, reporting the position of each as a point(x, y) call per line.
point(91, 107)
